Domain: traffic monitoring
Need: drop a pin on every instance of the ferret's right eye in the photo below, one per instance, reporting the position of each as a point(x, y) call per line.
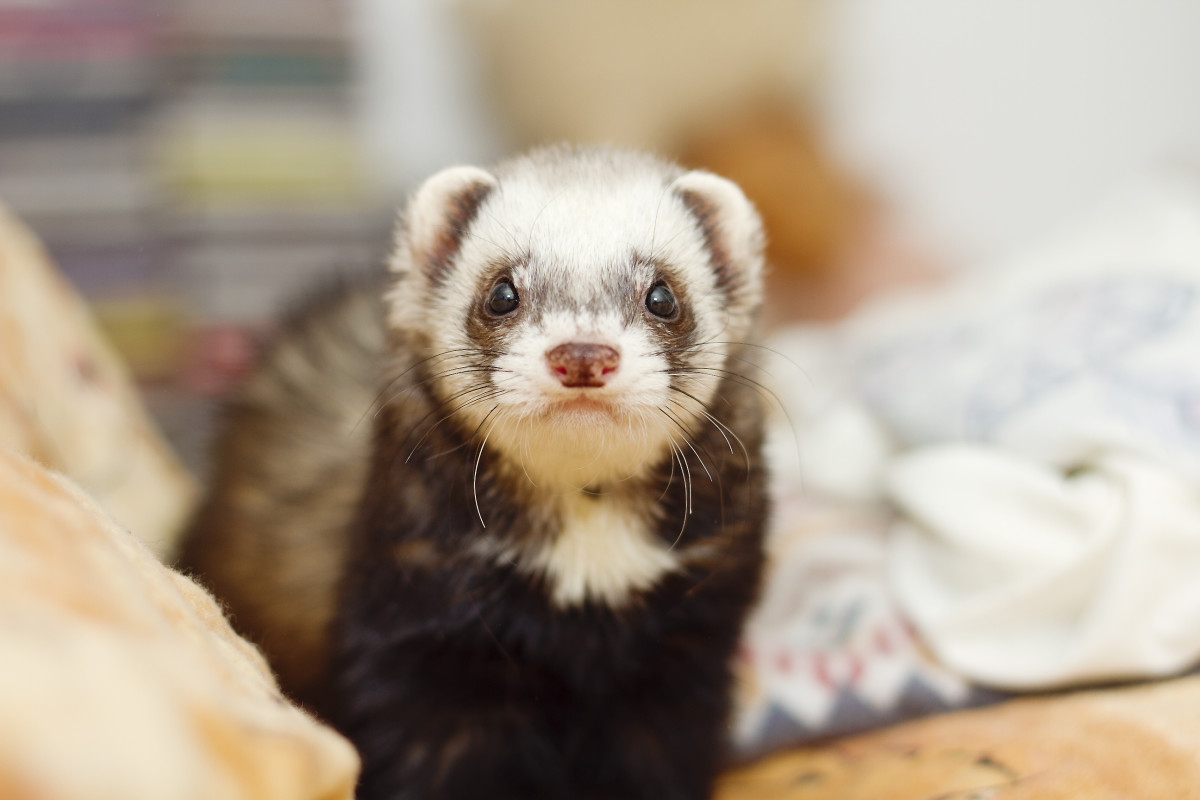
point(503, 299)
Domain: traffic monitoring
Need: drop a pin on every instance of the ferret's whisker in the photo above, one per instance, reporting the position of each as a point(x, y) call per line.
point(687, 439)
point(525, 450)
point(467, 440)
point(670, 477)
point(542, 210)
point(687, 477)
point(375, 403)
point(699, 348)
point(763, 390)
point(677, 453)
point(716, 462)
point(737, 343)
point(654, 226)
point(478, 458)
point(710, 417)
point(721, 427)
point(510, 254)
point(489, 393)
point(455, 371)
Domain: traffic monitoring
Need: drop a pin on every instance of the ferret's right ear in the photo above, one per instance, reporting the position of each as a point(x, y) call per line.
point(730, 226)
point(437, 218)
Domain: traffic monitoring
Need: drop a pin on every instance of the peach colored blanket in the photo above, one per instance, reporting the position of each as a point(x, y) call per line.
point(120, 678)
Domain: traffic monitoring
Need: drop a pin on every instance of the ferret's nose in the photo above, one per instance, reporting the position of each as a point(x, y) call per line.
point(578, 365)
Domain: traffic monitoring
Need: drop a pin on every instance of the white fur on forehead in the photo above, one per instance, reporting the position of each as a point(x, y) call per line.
point(576, 209)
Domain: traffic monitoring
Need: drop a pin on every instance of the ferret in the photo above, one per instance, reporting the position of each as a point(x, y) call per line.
point(499, 516)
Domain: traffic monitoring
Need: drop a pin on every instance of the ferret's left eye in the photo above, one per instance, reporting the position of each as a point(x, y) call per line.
point(503, 299)
point(661, 302)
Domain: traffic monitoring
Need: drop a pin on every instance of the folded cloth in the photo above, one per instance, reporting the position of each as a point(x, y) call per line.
point(1036, 426)
point(1023, 576)
point(121, 679)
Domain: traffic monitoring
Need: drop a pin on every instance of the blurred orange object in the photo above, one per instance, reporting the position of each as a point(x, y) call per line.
point(809, 207)
point(829, 245)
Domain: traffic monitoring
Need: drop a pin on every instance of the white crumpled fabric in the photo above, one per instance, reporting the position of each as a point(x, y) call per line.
point(1037, 427)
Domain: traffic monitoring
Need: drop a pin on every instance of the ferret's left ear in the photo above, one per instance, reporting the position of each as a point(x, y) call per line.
point(731, 227)
point(437, 218)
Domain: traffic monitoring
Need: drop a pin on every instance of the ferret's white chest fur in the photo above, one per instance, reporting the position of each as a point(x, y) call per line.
point(604, 552)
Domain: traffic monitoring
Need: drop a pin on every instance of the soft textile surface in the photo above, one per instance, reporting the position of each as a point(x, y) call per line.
point(121, 680)
point(1139, 743)
point(67, 401)
point(989, 487)
point(1037, 428)
point(828, 651)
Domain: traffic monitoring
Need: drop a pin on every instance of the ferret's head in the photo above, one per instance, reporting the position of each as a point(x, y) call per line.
point(577, 307)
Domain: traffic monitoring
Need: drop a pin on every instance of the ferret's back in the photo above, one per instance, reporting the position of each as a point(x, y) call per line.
point(289, 467)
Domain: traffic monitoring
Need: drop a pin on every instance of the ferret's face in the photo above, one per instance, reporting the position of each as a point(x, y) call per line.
point(577, 311)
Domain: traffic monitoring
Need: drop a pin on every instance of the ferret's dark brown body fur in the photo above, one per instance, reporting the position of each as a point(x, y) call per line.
point(345, 531)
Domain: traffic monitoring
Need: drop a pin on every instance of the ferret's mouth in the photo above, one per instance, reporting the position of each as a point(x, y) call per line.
point(584, 403)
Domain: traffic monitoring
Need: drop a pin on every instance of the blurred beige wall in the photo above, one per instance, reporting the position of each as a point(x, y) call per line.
point(640, 74)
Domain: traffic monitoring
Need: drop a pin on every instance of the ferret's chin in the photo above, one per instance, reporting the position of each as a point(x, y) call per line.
point(590, 412)
point(584, 407)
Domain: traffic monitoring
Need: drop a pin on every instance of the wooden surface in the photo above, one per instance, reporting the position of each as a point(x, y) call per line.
point(1139, 742)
